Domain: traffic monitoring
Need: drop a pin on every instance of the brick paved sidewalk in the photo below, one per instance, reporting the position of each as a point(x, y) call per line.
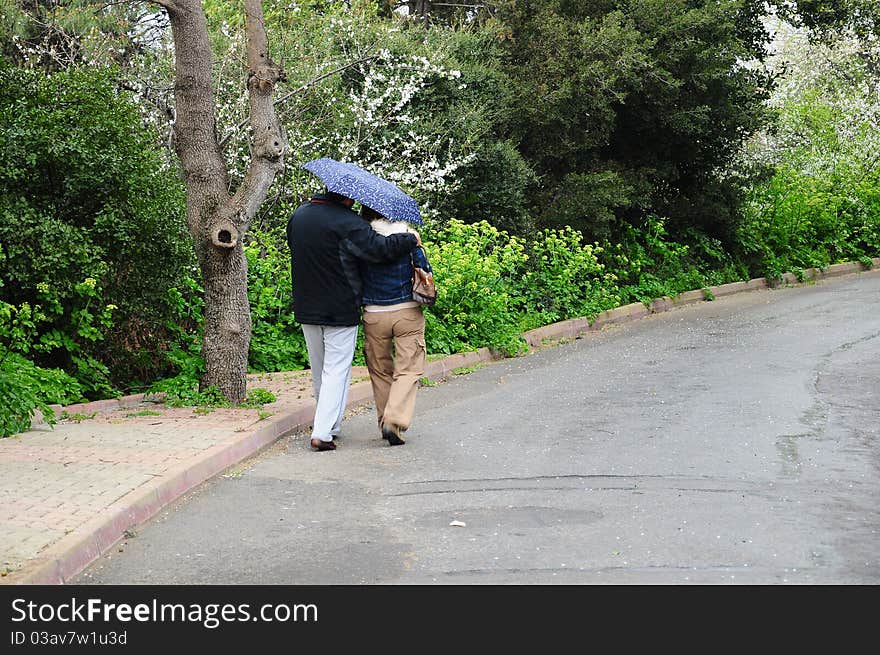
point(68, 493)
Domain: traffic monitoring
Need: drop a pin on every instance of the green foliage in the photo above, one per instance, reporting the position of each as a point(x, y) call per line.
point(474, 266)
point(180, 394)
point(258, 397)
point(565, 278)
point(184, 392)
point(625, 108)
point(84, 195)
point(143, 412)
point(648, 264)
point(822, 203)
point(26, 389)
point(494, 188)
point(183, 388)
point(277, 341)
point(797, 220)
point(590, 201)
point(185, 328)
point(77, 417)
point(828, 18)
point(184, 350)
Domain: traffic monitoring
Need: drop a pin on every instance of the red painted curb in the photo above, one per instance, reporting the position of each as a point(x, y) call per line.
point(73, 552)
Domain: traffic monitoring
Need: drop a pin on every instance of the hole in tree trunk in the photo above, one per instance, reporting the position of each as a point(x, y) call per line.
point(224, 235)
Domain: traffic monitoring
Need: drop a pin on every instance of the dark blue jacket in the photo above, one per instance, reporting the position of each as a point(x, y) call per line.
point(391, 283)
point(327, 241)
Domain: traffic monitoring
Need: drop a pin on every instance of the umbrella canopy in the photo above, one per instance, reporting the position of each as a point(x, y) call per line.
point(354, 182)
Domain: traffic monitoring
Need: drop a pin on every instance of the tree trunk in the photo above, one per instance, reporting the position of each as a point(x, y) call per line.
point(227, 335)
point(218, 221)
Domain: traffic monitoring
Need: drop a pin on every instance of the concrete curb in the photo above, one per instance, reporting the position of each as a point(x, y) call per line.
point(575, 327)
point(75, 551)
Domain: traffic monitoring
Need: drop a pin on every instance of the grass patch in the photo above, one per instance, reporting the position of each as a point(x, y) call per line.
point(464, 370)
point(256, 398)
point(77, 418)
point(143, 412)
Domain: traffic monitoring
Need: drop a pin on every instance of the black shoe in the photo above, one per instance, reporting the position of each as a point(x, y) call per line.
point(391, 435)
point(318, 444)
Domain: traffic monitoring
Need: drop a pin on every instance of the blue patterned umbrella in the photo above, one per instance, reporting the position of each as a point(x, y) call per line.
point(354, 182)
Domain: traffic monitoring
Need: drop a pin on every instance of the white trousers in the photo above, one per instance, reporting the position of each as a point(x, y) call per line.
point(331, 351)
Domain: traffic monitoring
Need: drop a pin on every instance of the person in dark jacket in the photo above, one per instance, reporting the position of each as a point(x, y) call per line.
point(394, 332)
point(327, 240)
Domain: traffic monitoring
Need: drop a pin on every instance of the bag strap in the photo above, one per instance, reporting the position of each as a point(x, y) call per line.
point(412, 259)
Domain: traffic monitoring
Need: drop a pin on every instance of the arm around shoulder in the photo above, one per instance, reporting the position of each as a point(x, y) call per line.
point(367, 244)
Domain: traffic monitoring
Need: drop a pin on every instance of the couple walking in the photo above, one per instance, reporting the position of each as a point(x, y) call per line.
point(343, 264)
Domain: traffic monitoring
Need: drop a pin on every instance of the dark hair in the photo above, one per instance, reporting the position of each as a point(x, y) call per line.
point(336, 197)
point(369, 213)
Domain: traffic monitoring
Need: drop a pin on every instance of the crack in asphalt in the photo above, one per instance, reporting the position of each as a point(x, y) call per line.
point(562, 477)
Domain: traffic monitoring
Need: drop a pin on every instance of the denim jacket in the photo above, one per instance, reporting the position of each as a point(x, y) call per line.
point(391, 283)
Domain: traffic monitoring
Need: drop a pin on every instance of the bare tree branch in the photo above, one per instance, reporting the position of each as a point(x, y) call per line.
point(323, 77)
point(149, 93)
point(269, 140)
point(297, 90)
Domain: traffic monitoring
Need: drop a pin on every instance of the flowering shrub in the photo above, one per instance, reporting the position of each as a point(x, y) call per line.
point(821, 205)
point(474, 267)
point(566, 279)
point(647, 264)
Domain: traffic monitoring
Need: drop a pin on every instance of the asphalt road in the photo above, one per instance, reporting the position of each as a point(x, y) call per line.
point(729, 442)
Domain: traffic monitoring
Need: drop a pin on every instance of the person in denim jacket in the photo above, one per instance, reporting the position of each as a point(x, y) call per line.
point(394, 332)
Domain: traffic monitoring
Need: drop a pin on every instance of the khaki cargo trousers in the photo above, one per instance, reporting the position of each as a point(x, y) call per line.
point(394, 347)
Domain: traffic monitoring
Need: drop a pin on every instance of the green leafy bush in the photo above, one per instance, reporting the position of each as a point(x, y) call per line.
point(26, 389)
point(648, 264)
point(801, 220)
point(85, 194)
point(277, 341)
point(821, 204)
point(565, 278)
point(474, 266)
